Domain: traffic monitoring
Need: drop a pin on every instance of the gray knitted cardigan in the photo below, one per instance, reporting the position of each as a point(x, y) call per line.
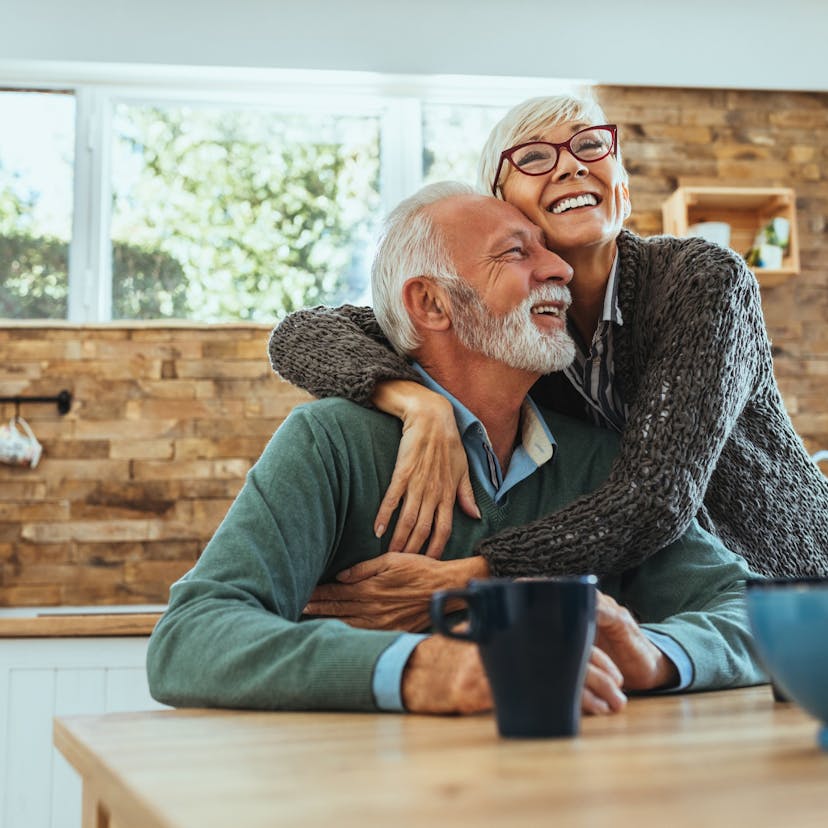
point(707, 433)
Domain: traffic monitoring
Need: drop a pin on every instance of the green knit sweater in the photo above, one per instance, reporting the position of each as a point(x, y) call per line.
point(232, 635)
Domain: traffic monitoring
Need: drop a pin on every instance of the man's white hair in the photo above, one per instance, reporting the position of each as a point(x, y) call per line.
point(526, 122)
point(411, 245)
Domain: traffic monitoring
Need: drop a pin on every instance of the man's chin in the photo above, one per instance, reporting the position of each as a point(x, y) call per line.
point(561, 351)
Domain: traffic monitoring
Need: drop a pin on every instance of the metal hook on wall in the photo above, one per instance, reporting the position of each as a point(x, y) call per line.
point(63, 400)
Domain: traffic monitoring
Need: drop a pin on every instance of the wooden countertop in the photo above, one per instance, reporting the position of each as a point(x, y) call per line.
point(62, 622)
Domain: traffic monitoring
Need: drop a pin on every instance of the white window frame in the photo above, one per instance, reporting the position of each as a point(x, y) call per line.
point(396, 99)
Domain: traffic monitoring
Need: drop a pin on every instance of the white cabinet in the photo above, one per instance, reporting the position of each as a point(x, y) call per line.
point(45, 677)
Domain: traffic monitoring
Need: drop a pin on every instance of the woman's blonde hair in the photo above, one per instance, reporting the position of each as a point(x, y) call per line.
point(528, 121)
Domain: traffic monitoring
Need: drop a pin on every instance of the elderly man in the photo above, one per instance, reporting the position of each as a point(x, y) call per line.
point(464, 285)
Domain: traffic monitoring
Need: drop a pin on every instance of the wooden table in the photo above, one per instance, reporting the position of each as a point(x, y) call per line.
point(728, 758)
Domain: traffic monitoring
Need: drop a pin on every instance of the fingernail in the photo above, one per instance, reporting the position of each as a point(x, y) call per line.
point(477, 511)
point(341, 576)
point(379, 530)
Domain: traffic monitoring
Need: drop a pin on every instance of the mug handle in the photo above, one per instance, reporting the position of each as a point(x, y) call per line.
point(438, 613)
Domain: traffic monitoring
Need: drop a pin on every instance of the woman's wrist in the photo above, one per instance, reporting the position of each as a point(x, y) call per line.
point(462, 570)
point(405, 399)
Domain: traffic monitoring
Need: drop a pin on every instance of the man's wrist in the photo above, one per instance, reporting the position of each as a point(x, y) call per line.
point(666, 673)
point(388, 672)
point(676, 655)
point(415, 678)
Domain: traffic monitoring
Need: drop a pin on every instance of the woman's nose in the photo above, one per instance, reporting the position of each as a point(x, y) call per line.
point(569, 166)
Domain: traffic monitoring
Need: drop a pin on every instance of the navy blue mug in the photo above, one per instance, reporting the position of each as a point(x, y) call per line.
point(535, 636)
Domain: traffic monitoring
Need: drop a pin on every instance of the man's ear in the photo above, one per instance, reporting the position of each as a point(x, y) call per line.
point(427, 304)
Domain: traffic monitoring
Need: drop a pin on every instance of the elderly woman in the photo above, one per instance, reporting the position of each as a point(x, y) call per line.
point(671, 351)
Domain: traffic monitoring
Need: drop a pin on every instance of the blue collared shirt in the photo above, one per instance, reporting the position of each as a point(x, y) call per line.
point(535, 447)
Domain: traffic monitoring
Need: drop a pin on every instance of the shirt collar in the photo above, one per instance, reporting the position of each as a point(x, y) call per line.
point(612, 310)
point(536, 440)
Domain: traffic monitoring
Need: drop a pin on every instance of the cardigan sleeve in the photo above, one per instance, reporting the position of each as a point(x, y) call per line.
point(706, 360)
point(336, 352)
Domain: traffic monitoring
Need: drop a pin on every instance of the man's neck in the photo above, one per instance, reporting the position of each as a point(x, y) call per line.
point(492, 391)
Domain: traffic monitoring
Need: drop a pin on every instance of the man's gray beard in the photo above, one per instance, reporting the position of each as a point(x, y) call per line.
point(513, 338)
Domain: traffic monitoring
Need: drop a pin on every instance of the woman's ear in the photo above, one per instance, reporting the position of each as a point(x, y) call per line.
point(625, 199)
point(427, 304)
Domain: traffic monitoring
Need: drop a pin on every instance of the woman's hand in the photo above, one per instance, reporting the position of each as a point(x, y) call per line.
point(431, 469)
point(393, 591)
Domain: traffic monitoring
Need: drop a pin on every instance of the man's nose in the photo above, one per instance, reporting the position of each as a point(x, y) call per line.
point(553, 269)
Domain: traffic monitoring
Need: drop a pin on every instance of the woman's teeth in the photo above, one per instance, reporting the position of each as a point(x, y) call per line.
point(571, 203)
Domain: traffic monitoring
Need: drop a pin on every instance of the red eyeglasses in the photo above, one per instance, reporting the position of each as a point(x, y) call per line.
point(540, 157)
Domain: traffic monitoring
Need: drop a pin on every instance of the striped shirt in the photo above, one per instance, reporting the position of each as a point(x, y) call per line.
point(592, 370)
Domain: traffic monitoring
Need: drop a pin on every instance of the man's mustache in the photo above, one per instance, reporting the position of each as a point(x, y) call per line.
point(549, 293)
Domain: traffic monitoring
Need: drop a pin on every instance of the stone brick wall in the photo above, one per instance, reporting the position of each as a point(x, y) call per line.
point(167, 419)
point(675, 137)
point(164, 425)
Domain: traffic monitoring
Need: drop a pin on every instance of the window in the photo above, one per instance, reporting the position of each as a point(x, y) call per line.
point(453, 136)
point(210, 197)
point(223, 214)
point(36, 164)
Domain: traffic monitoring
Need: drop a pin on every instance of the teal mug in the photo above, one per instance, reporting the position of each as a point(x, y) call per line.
point(789, 620)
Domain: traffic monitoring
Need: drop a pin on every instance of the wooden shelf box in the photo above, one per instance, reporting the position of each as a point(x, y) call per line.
point(746, 210)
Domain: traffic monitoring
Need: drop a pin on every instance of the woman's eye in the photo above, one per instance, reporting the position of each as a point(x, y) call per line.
point(531, 158)
point(590, 147)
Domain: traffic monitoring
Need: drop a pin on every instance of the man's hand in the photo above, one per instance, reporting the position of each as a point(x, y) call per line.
point(618, 635)
point(431, 469)
point(602, 688)
point(445, 676)
point(393, 591)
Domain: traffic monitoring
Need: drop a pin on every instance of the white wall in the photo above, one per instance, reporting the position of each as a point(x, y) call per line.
point(761, 44)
